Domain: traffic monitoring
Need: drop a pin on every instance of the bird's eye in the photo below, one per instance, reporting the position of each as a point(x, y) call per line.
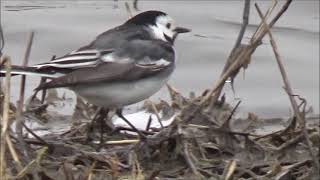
point(168, 25)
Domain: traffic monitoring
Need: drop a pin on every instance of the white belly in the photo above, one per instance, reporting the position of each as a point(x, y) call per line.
point(117, 95)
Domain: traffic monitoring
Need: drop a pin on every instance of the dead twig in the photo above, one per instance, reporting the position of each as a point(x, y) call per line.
point(266, 16)
point(242, 56)
point(67, 170)
point(135, 5)
point(19, 118)
point(229, 170)
point(156, 112)
point(89, 173)
point(132, 130)
point(245, 22)
point(290, 142)
point(122, 142)
point(190, 163)
point(34, 164)
point(289, 90)
point(227, 122)
point(128, 10)
point(5, 115)
point(236, 47)
point(153, 175)
point(13, 153)
point(35, 135)
point(149, 123)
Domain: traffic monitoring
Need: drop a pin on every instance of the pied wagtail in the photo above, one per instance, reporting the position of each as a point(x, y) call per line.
point(122, 66)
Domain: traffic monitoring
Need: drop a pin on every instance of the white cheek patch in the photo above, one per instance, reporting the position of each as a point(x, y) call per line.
point(158, 33)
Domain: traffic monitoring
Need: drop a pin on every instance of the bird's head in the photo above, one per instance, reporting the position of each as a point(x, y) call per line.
point(162, 26)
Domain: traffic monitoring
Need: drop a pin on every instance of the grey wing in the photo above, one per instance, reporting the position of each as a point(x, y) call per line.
point(116, 37)
point(142, 52)
point(159, 55)
point(104, 44)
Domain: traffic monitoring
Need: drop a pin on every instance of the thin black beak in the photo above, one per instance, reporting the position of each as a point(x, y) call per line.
point(179, 30)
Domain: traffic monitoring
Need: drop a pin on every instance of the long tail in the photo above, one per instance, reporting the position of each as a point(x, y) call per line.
point(34, 71)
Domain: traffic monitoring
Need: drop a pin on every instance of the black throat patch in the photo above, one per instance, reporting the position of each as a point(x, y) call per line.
point(170, 40)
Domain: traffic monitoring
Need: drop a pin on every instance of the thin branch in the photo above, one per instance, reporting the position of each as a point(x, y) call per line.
point(135, 5)
point(229, 170)
point(289, 90)
point(122, 142)
point(266, 16)
point(120, 128)
point(13, 153)
point(231, 58)
point(156, 112)
point(149, 123)
point(190, 163)
point(19, 118)
point(245, 54)
point(35, 135)
point(290, 142)
point(5, 115)
point(226, 123)
point(128, 10)
point(245, 21)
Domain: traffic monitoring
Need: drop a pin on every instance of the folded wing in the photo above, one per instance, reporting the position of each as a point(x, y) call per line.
point(143, 59)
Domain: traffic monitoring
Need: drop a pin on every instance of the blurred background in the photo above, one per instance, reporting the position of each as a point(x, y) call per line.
point(63, 26)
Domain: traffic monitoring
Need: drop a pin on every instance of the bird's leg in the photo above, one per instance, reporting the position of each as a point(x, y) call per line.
point(104, 114)
point(141, 135)
point(99, 117)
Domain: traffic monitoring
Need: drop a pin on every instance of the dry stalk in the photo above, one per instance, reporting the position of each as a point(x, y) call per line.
point(156, 112)
point(189, 161)
point(35, 163)
point(67, 170)
point(135, 5)
point(5, 118)
point(231, 58)
point(289, 90)
point(243, 55)
point(128, 10)
point(35, 135)
point(89, 173)
point(227, 122)
point(13, 152)
point(122, 142)
point(19, 118)
point(149, 123)
point(229, 170)
point(245, 22)
point(266, 16)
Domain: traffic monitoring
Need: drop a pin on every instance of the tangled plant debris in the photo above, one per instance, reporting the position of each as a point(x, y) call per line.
point(196, 137)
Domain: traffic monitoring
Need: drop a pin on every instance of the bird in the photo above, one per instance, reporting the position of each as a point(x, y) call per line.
point(121, 66)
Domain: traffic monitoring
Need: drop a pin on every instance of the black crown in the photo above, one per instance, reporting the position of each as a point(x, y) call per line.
point(147, 17)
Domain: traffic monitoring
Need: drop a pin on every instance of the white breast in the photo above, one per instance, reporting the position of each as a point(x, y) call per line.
point(117, 95)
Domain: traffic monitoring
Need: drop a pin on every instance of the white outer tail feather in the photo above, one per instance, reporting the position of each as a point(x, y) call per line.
point(20, 72)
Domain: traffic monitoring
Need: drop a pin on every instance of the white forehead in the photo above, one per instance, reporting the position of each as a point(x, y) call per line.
point(164, 19)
